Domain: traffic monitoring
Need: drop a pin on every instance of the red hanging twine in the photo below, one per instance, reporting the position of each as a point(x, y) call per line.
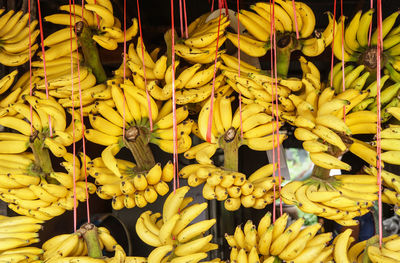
point(44, 61)
point(174, 124)
point(30, 63)
point(295, 20)
point(82, 125)
point(378, 125)
point(371, 5)
point(240, 94)
point(210, 117)
point(185, 16)
point(144, 67)
point(342, 36)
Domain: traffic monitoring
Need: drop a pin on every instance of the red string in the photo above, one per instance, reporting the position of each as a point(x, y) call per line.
point(184, 13)
point(124, 74)
point(174, 124)
point(226, 8)
point(181, 17)
point(30, 63)
point(44, 60)
point(144, 67)
point(343, 75)
point(240, 93)
point(273, 45)
point(82, 125)
point(212, 5)
point(210, 117)
point(73, 117)
point(371, 5)
point(333, 42)
point(378, 126)
point(295, 20)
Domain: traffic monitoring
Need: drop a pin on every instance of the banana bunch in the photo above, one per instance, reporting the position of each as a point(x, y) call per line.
point(201, 46)
point(357, 78)
point(233, 187)
point(259, 88)
point(257, 22)
point(15, 38)
point(73, 247)
point(339, 198)
point(270, 242)
point(391, 183)
point(369, 250)
point(132, 107)
point(98, 16)
point(172, 234)
point(257, 126)
point(357, 46)
point(17, 233)
point(125, 184)
point(47, 114)
point(39, 195)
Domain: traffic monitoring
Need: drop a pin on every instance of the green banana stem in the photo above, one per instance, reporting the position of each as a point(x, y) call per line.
point(42, 156)
point(285, 45)
point(90, 52)
point(136, 140)
point(91, 237)
point(230, 143)
point(373, 240)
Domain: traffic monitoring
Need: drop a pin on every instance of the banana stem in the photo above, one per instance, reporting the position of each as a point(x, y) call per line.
point(91, 237)
point(320, 172)
point(90, 52)
point(168, 42)
point(140, 149)
point(42, 156)
point(230, 143)
point(285, 45)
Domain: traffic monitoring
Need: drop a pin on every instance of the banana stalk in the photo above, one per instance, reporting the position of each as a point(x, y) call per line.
point(90, 51)
point(42, 156)
point(285, 45)
point(230, 143)
point(136, 140)
point(89, 233)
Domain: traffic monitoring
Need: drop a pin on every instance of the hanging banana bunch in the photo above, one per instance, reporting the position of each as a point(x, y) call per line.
point(15, 37)
point(339, 198)
point(270, 242)
point(171, 233)
point(18, 233)
point(126, 185)
point(233, 188)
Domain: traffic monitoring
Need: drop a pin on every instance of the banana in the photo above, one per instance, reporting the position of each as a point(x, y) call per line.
point(159, 253)
point(363, 29)
point(350, 35)
point(340, 247)
point(328, 161)
point(258, 50)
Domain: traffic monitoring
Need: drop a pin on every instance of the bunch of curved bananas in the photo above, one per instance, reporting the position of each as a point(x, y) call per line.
point(132, 110)
point(121, 181)
point(233, 187)
point(269, 242)
point(359, 47)
point(391, 183)
point(73, 248)
point(369, 250)
point(201, 46)
point(47, 114)
point(15, 38)
point(256, 42)
point(43, 198)
point(339, 198)
point(98, 16)
point(357, 78)
point(390, 145)
point(172, 233)
point(257, 126)
point(257, 87)
point(17, 233)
